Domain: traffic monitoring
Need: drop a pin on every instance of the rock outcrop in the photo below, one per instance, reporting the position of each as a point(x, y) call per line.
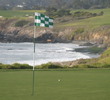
point(9, 32)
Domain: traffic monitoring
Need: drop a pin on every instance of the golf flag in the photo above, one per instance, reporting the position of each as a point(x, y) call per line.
point(43, 21)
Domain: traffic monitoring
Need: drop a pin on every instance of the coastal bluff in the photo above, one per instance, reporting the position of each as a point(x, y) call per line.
point(22, 30)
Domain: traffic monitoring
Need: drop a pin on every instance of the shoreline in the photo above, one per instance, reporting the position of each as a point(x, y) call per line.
point(75, 42)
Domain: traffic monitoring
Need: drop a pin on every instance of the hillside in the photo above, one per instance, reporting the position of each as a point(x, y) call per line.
point(42, 4)
point(101, 62)
point(91, 26)
point(94, 29)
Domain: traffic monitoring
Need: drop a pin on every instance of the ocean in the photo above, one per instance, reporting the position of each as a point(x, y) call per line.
point(51, 52)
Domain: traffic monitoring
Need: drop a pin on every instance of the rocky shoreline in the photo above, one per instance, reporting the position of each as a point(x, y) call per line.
point(11, 31)
point(86, 48)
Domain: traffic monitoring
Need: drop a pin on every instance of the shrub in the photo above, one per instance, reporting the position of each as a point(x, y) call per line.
point(63, 12)
point(53, 12)
point(21, 66)
point(52, 66)
point(84, 14)
point(95, 49)
point(79, 30)
point(15, 66)
point(5, 66)
point(0, 66)
point(106, 66)
point(101, 13)
point(21, 23)
point(49, 66)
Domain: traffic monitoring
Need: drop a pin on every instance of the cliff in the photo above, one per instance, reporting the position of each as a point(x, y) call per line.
point(12, 31)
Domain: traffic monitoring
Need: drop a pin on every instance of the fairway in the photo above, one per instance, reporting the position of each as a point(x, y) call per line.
point(18, 13)
point(77, 84)
point(93, 22)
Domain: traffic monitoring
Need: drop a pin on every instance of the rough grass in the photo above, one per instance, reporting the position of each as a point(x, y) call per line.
point(106, 53)
point(105, 57)
point(102, 62)
point(88, 84)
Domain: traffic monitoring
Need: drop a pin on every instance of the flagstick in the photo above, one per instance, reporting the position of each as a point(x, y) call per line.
point(34, 60)
point(44, 25)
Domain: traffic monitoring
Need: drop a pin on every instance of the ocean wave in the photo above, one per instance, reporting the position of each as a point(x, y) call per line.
point(23, 53)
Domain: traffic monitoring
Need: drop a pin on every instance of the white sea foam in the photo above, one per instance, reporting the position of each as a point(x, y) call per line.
point(23, 53)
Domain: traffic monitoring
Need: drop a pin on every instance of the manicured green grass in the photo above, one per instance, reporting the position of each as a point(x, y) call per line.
point(93, 22)
point(18, 13)
point(78, 84)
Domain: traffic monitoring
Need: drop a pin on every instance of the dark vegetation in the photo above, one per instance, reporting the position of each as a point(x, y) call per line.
point(15, 66)
point(43, 4)
point(84, 14)
point(49, 66)
point(79, 31)
point(26, 66)
point(21, 23)
point(93, 49)
point(53, 12)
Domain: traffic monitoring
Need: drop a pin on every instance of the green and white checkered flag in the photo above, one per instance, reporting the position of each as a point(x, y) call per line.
point(43, 21)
